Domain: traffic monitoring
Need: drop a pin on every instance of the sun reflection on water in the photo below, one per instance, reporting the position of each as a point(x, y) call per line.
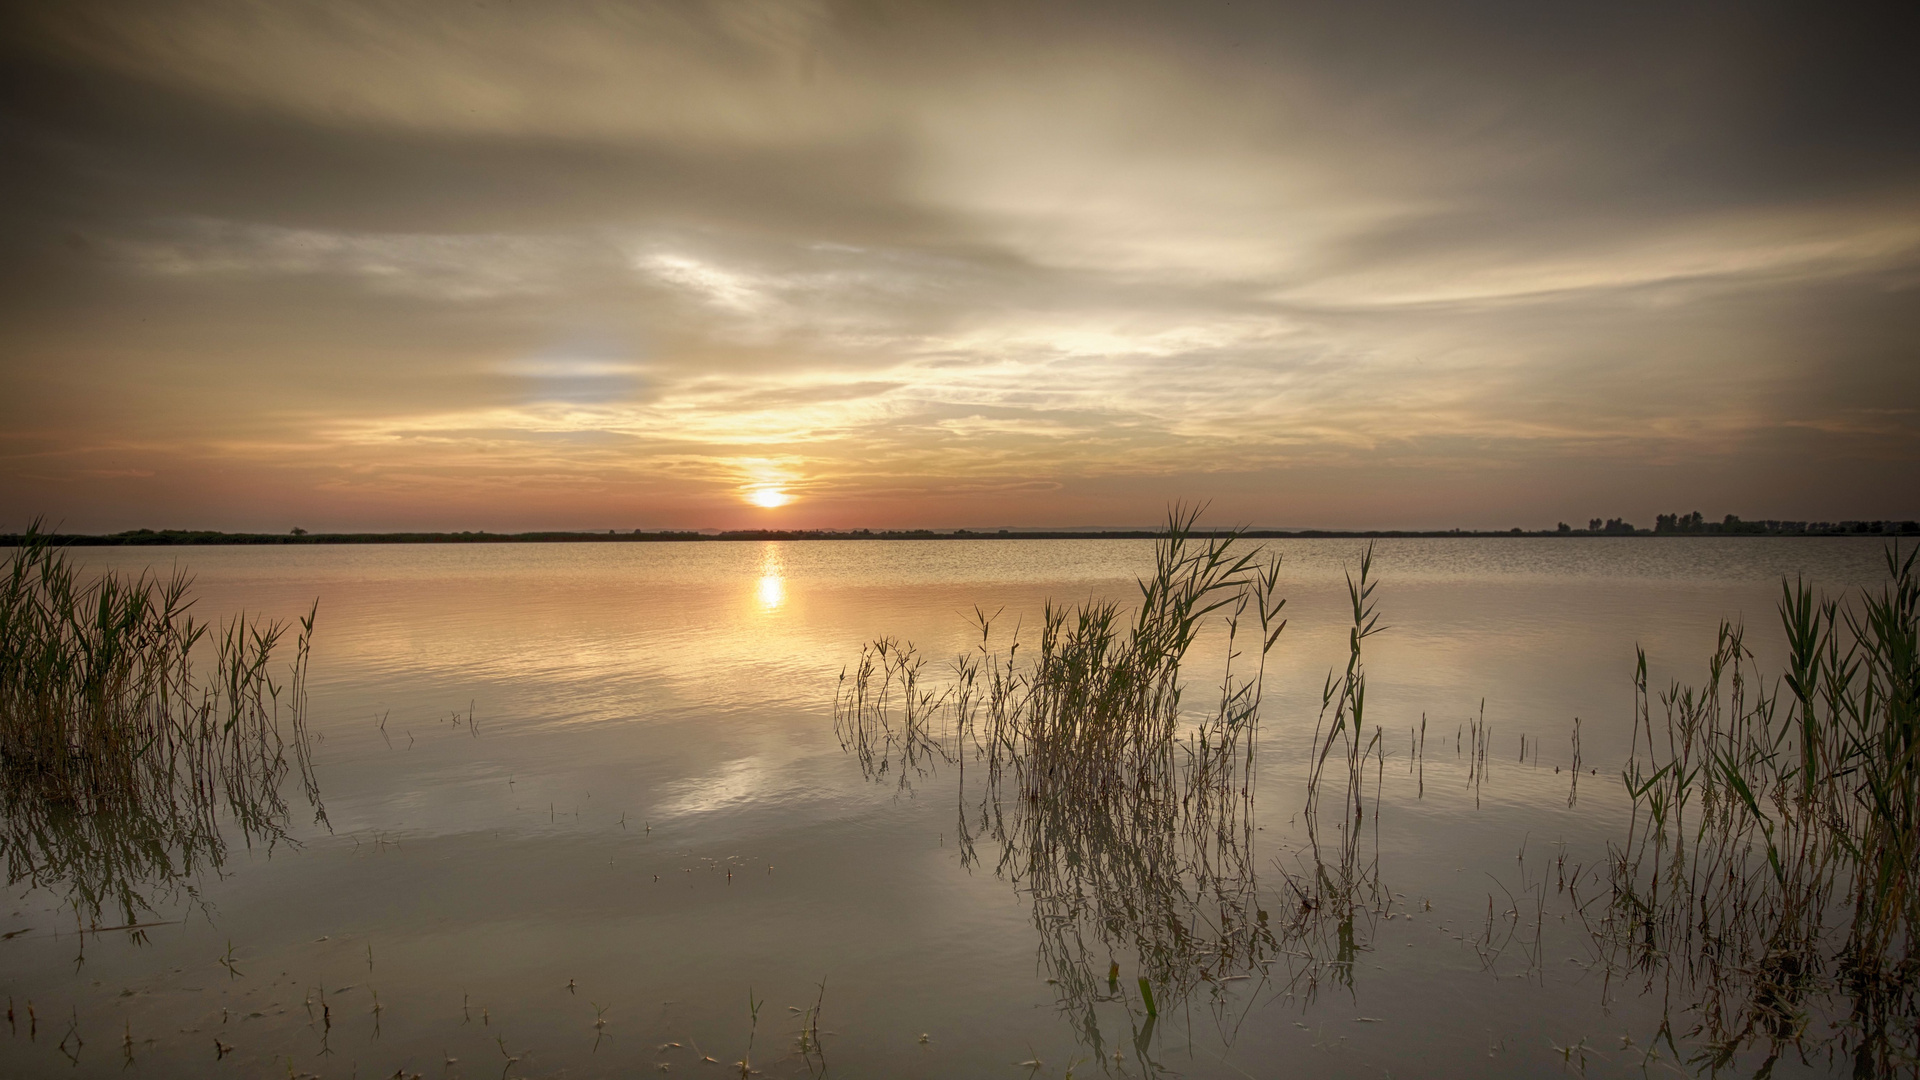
point(773, 580)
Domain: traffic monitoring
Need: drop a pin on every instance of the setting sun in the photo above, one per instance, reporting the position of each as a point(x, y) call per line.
point(768, 497)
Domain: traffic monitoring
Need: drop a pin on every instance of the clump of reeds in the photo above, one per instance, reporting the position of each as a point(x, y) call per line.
point(1121, 811)
point(1773, 861)
point(116, 752)
point(1099, 706)
point(890, 676)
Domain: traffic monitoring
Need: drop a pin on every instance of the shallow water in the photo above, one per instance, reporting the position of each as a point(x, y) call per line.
point(650, 821)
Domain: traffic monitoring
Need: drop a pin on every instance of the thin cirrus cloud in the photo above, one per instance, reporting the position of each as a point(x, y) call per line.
point(454, 268)
point(578, 266)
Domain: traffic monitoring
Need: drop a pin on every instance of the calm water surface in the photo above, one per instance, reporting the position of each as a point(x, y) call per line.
point(651, 822)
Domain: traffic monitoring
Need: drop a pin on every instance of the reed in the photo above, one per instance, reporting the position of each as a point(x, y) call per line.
point(1772, 864)
point(1334, 885)
point(1124, 813)
point(118, 755)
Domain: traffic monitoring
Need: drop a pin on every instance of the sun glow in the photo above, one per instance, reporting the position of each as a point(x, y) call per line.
point(768, 497)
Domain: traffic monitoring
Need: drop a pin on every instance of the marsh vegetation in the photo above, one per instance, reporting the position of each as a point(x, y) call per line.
point(1771, 873)
point(132, 735)
point(1124, 811)
point(1768, 885)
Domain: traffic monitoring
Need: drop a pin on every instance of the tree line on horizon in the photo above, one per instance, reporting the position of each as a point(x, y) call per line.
point(1696, 523)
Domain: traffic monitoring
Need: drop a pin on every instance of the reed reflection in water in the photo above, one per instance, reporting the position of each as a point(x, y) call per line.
point(122, 766)
point(1771, 872)
point(1125, 817)
point(1128, 822)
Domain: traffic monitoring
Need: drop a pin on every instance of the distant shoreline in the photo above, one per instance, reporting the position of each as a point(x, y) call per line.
point(197, 538)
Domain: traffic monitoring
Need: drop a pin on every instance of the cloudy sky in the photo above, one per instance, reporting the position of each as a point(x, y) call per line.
point(517, 265)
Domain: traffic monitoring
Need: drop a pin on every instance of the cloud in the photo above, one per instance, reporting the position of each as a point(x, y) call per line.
point(446, 267)
point(722, 288)
point(1041, 258)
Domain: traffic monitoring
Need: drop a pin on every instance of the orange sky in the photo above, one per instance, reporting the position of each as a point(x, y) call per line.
point(364, 266)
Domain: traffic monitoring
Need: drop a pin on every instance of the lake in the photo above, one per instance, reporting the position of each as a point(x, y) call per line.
point(587, 813)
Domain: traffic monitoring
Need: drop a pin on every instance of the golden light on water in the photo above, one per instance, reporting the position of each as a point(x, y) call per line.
point(773, 591)
point(773, 579)
point(768, 497)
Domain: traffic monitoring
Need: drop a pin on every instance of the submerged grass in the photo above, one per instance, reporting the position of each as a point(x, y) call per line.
point(1772, 866)
point(117, 754)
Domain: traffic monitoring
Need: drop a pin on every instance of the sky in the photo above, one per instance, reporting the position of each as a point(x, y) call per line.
point(516, 265)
